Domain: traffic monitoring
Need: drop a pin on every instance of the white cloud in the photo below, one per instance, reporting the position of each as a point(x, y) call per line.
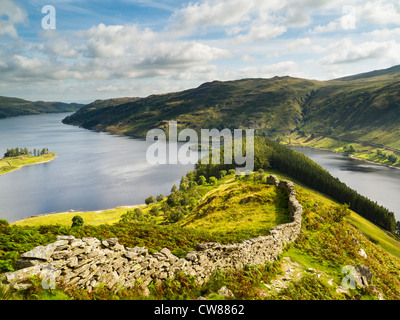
point(330, 27)
point(301, 42)
point(247, 58)
point(261, 32)
point(10, 15)
point(116, 41)
point(383, 34)
point(232, 15)
point(203, 40)
point(285, 68)
point(58, 44)
point(211, 13)
point(346, 52)
point(111, 52)
point(380, 12)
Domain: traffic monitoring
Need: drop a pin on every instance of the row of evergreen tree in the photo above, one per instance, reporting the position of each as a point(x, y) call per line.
point(15, 152)
point(270, 154)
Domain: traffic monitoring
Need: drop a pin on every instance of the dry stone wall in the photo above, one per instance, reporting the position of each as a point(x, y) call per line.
point(87, 262)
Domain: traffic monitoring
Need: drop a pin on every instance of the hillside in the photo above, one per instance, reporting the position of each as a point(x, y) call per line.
point(271, 106)
point(12, 107)
point(310, 268)
point(363, 108)
point(366, 109)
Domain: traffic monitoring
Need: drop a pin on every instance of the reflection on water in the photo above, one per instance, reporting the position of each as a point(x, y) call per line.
point(377, 182)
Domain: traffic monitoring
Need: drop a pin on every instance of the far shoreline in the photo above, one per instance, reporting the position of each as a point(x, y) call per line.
point(351, 156)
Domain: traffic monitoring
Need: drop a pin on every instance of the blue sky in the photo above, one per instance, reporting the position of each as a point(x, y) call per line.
point(109, 49)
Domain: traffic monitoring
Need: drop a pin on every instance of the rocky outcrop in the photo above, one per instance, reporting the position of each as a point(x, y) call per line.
point(85, 263)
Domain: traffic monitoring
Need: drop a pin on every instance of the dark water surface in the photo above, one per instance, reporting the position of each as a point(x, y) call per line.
point(93, 170)
point(378, 183)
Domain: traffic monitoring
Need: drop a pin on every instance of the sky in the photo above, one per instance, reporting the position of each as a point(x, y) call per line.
point(81, 51)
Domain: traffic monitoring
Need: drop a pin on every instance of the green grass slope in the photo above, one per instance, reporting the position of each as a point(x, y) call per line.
point(308, 269)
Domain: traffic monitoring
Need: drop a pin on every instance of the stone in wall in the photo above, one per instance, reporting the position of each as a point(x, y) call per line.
point(87, 262)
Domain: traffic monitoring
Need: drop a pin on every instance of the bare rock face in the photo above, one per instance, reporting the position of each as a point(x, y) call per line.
point(363, 275)
point(88, 262)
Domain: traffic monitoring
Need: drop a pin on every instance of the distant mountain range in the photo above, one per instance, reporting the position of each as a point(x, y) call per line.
point(364, 106)
point(12, 107)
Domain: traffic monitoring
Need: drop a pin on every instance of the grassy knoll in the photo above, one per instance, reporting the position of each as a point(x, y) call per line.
point(14, 163)
point(239, 206)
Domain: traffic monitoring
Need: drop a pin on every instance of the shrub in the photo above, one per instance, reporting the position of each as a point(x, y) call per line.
point(202, 181)
point(184, 186)
point(150, 200)
point(77, 221)
point(222, 173)
point(339, 212)
point(154, 211)
point(392, 159)
point(175, 215)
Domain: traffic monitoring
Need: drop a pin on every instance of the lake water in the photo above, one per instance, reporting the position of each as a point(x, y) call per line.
point(378, 183)
point(93, 171)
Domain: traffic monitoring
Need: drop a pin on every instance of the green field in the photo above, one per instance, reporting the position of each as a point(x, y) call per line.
point(15, 163)
point(109, 216)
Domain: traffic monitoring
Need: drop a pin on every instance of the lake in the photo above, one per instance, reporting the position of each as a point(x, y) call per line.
point(378, 183)
point(93, 170)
